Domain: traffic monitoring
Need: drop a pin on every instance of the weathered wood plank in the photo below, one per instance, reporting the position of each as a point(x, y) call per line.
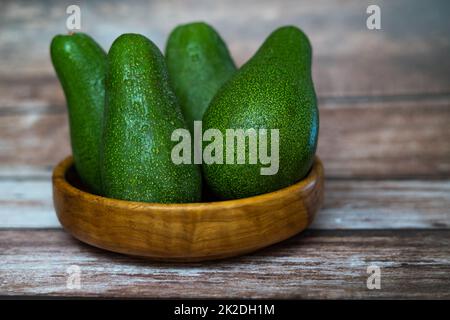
point(385, 204)
point(358, 138)
point(33, 140)
point(349, 59)
point(325, 264)
point(21, 95)
point(349, 204)
point(385, 140)
point(27, 204)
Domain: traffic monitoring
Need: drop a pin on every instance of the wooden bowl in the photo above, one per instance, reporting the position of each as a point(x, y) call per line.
point(185, 232)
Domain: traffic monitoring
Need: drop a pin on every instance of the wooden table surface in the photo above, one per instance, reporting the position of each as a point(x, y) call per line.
point(384, 100)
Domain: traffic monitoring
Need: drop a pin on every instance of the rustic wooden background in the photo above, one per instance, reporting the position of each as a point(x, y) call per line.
point(384, 138)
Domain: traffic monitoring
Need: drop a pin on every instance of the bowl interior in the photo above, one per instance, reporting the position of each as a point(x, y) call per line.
point(68, 171)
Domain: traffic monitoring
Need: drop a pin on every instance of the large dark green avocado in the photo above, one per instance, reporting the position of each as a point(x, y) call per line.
point(141, 114)
point(273, 90)
point(199, 63)
point(80, 64)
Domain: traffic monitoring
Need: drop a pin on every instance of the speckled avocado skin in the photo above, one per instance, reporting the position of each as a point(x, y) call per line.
point(80, 64)
point(141, 114)
point(273, 90)
point(199, 63)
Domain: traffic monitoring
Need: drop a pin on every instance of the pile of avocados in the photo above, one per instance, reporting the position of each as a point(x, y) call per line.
point(124, 105)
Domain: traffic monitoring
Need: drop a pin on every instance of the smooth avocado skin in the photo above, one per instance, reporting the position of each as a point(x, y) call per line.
point(273, 90)
point(140, 115)
point(199, 63)
point(80, 64)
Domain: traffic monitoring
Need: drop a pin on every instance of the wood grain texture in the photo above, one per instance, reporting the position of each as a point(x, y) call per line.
point(185, 232)
point(395, 139)
point(27, 204)
point(316, 264)
point(385, 204)
point(349, 204)
point(33, 141)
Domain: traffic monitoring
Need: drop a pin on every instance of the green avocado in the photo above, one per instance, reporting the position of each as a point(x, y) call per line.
point(141, 114)
point(80, 64)
point(273, 90)
point(199, 63)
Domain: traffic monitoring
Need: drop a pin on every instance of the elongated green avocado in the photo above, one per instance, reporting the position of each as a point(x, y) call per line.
point(273, 90)
point(141, 114)
point(80, 64)
point(199, 63)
